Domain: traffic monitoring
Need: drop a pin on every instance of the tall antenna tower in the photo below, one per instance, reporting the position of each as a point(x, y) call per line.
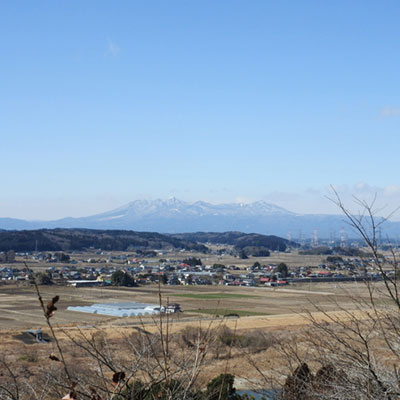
point(289, 236)
point(342, 237)
point(301, 238)
point(315, 238)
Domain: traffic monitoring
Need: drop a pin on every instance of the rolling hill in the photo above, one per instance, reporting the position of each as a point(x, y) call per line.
point(80, 239)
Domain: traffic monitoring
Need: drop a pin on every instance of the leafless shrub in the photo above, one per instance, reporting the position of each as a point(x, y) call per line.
point(355, 351)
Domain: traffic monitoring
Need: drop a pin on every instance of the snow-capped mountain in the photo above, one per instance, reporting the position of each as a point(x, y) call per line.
point(177, 208)
point(176, 216)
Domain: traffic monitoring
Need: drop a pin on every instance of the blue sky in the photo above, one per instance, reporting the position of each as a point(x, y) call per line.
point(105, 102)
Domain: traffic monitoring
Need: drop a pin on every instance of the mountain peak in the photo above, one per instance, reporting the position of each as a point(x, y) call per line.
point(164, 208)
point(174, 215)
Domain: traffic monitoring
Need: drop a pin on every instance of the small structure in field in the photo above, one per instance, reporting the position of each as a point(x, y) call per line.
point(171, 308)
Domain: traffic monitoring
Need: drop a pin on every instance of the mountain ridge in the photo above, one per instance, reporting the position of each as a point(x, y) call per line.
point(176, 216)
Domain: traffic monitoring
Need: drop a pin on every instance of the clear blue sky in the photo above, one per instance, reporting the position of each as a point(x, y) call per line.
point(103, 102)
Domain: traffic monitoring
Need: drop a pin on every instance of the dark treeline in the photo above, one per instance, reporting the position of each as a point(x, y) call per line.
point(80, 239)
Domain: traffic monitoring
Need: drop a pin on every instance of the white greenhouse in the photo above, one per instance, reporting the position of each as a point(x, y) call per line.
point(119, 309)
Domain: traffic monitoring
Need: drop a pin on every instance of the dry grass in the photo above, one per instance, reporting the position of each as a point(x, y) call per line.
point(19, 307)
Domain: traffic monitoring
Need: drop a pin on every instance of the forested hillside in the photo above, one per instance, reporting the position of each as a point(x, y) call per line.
point(80, 239)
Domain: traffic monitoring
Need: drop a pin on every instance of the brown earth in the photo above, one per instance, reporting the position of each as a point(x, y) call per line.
point(285, 312)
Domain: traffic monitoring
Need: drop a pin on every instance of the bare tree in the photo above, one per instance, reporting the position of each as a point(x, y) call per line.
point(355, 351)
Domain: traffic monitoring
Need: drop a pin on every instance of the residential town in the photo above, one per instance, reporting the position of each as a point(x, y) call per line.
point(62, 268)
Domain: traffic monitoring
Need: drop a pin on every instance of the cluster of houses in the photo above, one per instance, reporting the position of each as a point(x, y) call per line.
point(182, 272)
point(8, 274)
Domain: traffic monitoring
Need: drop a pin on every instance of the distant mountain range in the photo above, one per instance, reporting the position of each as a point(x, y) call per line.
point(176, 216)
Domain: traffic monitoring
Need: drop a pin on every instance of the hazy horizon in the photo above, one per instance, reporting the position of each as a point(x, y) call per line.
point(331, 209)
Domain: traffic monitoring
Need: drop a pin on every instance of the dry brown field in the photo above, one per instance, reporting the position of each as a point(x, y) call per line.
point(19, 307)
point(282, 315)
point(283, 319)
point(292, 259)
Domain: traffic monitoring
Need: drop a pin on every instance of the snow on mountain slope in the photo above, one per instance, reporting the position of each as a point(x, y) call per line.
point(175, 207)
point(176, 216)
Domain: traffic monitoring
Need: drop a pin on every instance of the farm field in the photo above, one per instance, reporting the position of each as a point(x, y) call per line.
point(277, 312)
point(19, 306)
